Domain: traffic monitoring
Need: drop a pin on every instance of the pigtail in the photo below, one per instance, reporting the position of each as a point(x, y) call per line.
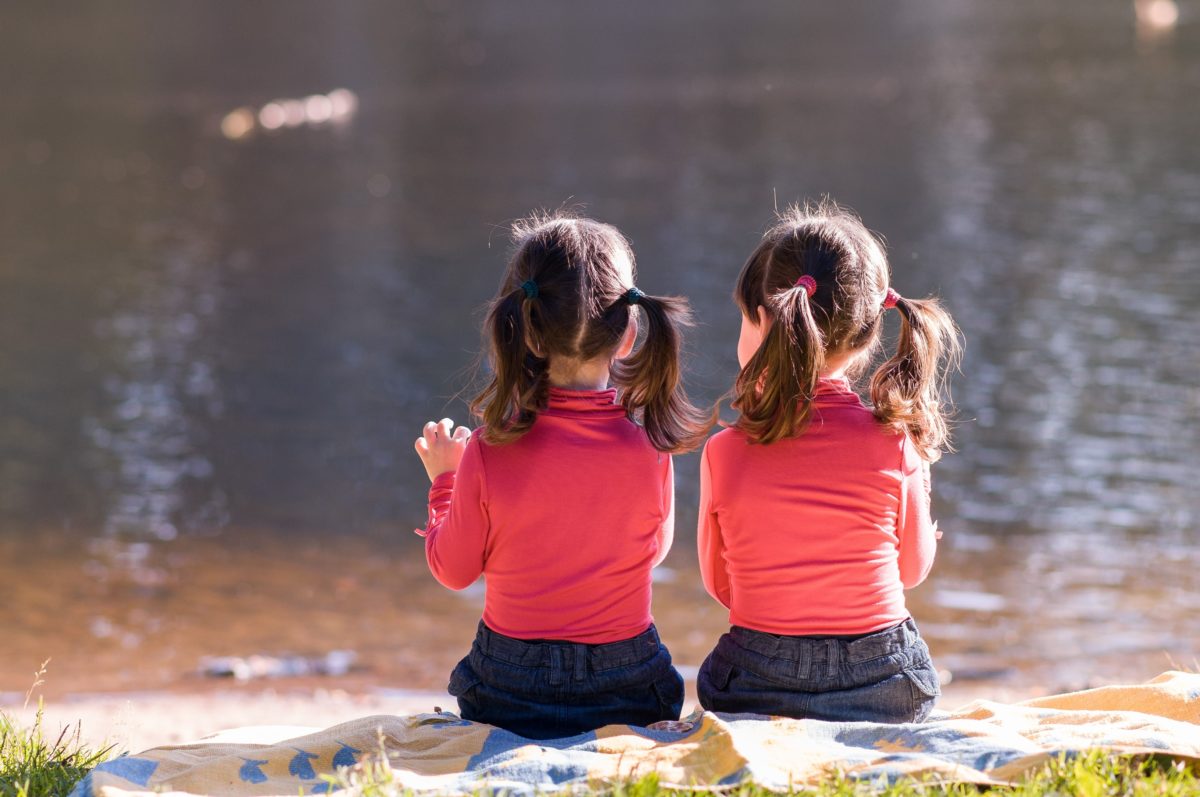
point(906, 391)
point(650, 378)
point(519, 387)
point(774, 392)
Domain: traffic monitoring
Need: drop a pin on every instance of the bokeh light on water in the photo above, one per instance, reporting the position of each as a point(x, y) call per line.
point(245, 248)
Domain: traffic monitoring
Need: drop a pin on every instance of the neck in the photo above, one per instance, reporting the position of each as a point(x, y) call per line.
point(837, 365)
point(579, 375)
point(834, 372)
point(835, 368)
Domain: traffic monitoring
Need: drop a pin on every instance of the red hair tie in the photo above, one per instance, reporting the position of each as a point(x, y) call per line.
point(890, 300)
point(808, 284)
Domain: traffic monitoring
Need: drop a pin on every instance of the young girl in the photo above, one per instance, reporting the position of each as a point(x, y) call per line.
point(814, 509)
point(563, 499)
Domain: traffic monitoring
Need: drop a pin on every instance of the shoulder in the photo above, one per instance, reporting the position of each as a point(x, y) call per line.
point(887, 438)
point(727, 443)
point(911, 460)
point(858, 417)
point(891, 445)
point(729, 436)
point(477, 445)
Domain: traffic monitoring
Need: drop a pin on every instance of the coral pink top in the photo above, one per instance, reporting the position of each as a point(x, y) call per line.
point(565, 523)
point(818, 534)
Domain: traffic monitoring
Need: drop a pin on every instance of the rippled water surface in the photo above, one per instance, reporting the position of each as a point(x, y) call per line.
point(217, 341)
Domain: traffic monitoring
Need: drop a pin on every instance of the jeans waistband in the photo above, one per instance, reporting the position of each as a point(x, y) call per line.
point(559, 653)
point(850, 649)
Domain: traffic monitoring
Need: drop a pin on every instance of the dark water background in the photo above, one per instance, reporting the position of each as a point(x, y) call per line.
point(215, 352)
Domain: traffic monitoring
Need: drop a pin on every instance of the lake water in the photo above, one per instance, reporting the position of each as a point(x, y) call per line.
point(217, 341)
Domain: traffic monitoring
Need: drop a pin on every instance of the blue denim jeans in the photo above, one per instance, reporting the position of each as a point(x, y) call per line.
point(546, 689)
point(886, 676)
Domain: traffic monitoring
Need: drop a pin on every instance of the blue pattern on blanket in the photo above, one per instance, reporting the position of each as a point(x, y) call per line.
point(300, 766)
point(133, 769)
point(983, 743)
point(130, 768)
point(345, 757)
point(251, 771)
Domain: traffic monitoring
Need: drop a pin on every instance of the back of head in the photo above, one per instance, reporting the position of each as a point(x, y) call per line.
point(568, 292)
point(822, 278)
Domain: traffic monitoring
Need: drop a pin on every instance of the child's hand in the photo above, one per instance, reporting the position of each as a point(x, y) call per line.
point(440, 449)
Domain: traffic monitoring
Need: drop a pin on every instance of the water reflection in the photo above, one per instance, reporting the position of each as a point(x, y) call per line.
point(337, 107)
point(209, 329)
point(159, 388)
point(1077, 211)
point(1155, 18)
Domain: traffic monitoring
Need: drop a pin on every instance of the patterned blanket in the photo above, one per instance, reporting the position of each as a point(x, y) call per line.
point(983, 742)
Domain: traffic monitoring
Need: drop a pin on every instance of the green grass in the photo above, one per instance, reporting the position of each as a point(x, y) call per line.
point(34, 765)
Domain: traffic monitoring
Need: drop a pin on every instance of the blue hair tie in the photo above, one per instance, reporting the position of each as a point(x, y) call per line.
point(530, 288)
point(634, 296)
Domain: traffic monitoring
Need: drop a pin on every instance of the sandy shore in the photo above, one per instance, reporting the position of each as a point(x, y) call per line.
point(137, 721)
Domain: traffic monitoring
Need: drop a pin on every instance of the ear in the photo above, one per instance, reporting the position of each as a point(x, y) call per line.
point(764, 320)
point(625, 347)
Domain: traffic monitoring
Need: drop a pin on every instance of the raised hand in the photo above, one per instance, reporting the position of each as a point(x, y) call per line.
point(441, 446)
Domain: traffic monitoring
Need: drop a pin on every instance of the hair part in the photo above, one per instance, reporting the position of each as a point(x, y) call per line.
point(843, 317)
point(580, 310)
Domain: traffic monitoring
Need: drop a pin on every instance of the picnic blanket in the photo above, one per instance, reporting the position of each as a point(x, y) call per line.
point(983, 742)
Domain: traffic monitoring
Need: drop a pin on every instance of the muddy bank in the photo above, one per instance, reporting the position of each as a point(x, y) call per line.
point(1019, 619)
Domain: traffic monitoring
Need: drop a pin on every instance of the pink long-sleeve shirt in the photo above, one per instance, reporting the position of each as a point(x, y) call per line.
point(820, 533)
point(565, 523)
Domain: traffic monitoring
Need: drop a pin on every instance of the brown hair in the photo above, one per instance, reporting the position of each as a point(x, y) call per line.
point(844, 316)
point(564, 295)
